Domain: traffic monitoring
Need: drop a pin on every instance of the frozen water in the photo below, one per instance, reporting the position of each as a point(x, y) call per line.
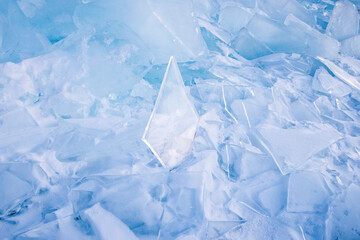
point(292, 147)
point(344, 21)
point(307, 193)
point(351, 47)
point(173, 122)
point(248, 47)
point(231, 24)
point(279, 10)
point(324, 82)
point(343, 218)
point(107, 225)
point(252, 134)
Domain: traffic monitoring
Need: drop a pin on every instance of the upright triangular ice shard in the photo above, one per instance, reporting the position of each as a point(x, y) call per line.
point(172, 125)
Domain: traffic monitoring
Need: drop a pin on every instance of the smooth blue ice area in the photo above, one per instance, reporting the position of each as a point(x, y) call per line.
point(179, 119)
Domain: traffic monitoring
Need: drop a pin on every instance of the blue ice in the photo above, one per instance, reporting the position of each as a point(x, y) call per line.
point(182, 119)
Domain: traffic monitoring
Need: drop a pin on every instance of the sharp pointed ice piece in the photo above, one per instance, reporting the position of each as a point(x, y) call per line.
point(173, 122)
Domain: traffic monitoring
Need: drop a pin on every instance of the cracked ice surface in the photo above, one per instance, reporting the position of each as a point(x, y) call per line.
point(253, 134)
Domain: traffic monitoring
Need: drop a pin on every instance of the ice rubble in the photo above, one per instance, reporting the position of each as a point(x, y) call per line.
point(257, 125)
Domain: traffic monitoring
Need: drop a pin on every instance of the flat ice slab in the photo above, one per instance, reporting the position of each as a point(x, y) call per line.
point(172, 125)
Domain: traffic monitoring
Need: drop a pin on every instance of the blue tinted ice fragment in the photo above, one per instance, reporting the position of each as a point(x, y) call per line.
point(314, 43)
point(248, 47)
point(14, 24)
point(307, 192)
point(341, 73)
point(173, 122)
point(233, 18)
point(351, 46)
point(13, 190)
point(51, 18)
point(64, 228)
point(273, 35)
point(106, 225)
point(292, 147)
point(294, 36)
point(155, 22)
point(325, 83)
point(279, 10)
point(345, 215)
point(344, 21)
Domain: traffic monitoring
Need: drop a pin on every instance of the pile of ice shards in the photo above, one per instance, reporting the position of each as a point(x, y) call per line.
point(253, 132)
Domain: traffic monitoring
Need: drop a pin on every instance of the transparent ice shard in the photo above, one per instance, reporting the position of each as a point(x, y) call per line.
point(172, 125)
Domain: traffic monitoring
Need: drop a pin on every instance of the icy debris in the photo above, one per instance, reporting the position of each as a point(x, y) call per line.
point(344, 21)
point(248, 47)
point(231, 24)
point(325, 83)
point(341, 74)
point(172, 125)
point(344, 215)
point(292, 147)
point(12, 188)
point(279, 10)
point(14, 48)
point(351, 46)
point(314, 43)
point(293, 36)
point(307, 192)
point(157, 23)
point(276, 151)
point(107, 225)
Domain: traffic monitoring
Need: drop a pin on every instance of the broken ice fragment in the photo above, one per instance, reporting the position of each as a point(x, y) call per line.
point(344, 217)
point(325, 83)
point(106, 225)
point(12, 188)
point(227, 21)
point(291, 148)
point(344, 21)
point(351, 46)
point(248, 47)
point(307, 193)
point(340, 73)
point(173, 122)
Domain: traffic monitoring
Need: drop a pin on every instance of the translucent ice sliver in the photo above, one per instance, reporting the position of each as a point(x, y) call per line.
point(173, 122)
